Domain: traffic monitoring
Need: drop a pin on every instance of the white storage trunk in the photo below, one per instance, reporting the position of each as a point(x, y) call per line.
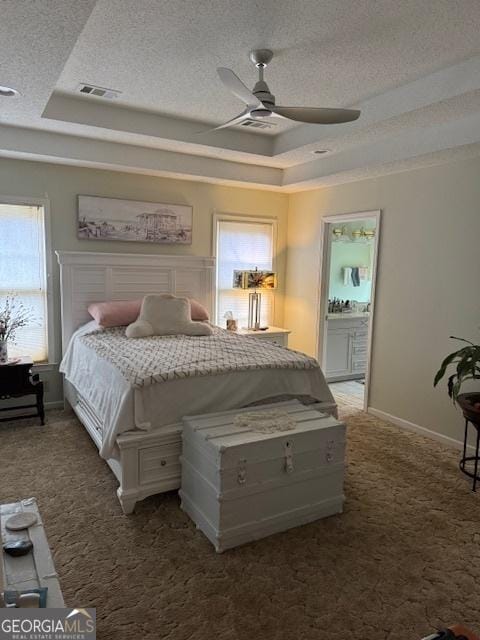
point(239, 484)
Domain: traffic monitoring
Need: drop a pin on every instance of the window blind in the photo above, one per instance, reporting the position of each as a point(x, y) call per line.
point(242, 245)
point(23, 273)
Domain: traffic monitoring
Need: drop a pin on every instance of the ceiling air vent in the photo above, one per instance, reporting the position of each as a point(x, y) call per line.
point(257, 124)
point(99, 92)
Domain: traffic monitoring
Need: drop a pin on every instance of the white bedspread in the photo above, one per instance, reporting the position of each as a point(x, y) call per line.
point(152, 383)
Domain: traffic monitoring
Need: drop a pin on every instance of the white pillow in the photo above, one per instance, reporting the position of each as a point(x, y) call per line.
point(163, 315)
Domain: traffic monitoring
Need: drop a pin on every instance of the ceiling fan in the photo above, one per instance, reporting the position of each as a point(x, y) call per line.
point(261, 103)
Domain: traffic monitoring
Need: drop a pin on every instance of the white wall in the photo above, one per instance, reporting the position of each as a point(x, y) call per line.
point(62, 184)
point(427, 287)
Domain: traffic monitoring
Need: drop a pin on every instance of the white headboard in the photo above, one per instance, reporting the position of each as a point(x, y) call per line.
point(87, 277)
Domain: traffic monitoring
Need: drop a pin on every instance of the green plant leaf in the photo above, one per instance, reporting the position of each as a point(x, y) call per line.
point(456, 390)
point(448, 360)
point(462, 340)
point(450, 385)
point(467, 361)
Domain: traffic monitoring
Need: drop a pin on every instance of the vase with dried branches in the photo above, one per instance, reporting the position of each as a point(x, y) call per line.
point(13, 316)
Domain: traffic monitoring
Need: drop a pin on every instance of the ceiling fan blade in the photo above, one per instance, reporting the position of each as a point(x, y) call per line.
point(236, 86)
point(317, 115)
point(230, 123)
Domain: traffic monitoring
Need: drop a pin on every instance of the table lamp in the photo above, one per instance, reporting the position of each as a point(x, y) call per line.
point(248, 279)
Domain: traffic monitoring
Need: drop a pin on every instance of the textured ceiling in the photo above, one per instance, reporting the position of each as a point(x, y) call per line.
point(163, 55)
point(440, 113)
point(36, 39)
point(413, 68)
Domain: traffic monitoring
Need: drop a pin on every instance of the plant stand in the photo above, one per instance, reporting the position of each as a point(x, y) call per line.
point(472, 416)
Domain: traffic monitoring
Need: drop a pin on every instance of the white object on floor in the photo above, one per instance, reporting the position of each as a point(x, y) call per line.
point(35, 569)
point(240, 485)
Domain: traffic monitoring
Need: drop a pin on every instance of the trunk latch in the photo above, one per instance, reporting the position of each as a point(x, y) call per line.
point(288, 452)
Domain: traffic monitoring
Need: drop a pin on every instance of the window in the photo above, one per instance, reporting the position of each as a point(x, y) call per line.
point(242, 245)
point(23, 273)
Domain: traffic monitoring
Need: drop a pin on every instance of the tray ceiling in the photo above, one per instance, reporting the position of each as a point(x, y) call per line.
point(410, 66)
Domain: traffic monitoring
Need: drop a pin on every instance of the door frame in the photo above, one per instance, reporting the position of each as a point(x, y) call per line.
point(325, 255)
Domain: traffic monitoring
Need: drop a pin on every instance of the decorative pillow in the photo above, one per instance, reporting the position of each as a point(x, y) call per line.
point(198, 311)
point(166, 315)
point(117, 313)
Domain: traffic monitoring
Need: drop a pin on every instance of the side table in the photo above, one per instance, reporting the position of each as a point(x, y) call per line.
point(16, 381)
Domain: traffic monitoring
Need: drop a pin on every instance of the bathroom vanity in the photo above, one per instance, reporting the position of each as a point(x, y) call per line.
point(347, 340)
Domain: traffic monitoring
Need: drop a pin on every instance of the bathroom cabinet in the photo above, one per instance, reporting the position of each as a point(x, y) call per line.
point(346, 352)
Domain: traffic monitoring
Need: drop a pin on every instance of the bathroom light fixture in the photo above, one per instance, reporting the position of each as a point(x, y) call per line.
point(363, 234)
point(7, 92)
point(346, 234)
point(340, 232)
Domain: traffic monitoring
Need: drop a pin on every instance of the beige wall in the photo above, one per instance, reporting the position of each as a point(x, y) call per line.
point(428, 263)
point(61, 184)
point(427, 285)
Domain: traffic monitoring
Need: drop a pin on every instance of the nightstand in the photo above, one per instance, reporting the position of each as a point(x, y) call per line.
point(272, 334)
point(16, 381)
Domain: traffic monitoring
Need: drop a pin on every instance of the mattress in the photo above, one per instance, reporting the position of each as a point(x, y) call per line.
point(151, 383)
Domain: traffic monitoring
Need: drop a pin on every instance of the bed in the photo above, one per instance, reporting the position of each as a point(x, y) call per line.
point(131, 395)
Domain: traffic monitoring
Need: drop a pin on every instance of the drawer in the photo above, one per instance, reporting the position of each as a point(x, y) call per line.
point(361, 334)
point(343, 323)
point(280, 340)
point(359, 366)
point(156, 463)
point(359, 349)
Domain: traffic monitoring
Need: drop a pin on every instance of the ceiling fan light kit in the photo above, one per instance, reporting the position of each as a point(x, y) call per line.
point(260, 102)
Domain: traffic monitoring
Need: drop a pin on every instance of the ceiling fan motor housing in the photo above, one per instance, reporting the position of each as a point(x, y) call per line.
point(260, 113)
point(261, 57)
point(262, 92)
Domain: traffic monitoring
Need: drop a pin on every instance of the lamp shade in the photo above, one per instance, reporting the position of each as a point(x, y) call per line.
point(254, 279)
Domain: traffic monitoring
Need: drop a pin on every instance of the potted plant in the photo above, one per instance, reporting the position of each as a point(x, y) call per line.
point(467, 361)
point(13, 316)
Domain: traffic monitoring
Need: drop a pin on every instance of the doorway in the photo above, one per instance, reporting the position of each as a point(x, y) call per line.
point(347, 303)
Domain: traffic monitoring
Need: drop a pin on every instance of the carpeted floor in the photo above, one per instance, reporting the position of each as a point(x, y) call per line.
point(403, 559)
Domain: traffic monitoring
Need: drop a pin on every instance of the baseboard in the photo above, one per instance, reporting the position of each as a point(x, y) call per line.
point(57, 404)
point(416, 428)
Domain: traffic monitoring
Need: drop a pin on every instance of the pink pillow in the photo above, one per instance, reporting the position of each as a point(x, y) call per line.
point(198, 311)
point(119, 313)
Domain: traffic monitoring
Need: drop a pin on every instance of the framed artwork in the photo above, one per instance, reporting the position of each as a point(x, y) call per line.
point(133, 221)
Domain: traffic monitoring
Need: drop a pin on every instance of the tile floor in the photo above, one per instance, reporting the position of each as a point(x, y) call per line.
point(349, 390)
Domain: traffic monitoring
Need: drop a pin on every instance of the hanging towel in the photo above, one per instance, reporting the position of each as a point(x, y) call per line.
point(355, 277)
point(347, 276)
point(363, 273)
